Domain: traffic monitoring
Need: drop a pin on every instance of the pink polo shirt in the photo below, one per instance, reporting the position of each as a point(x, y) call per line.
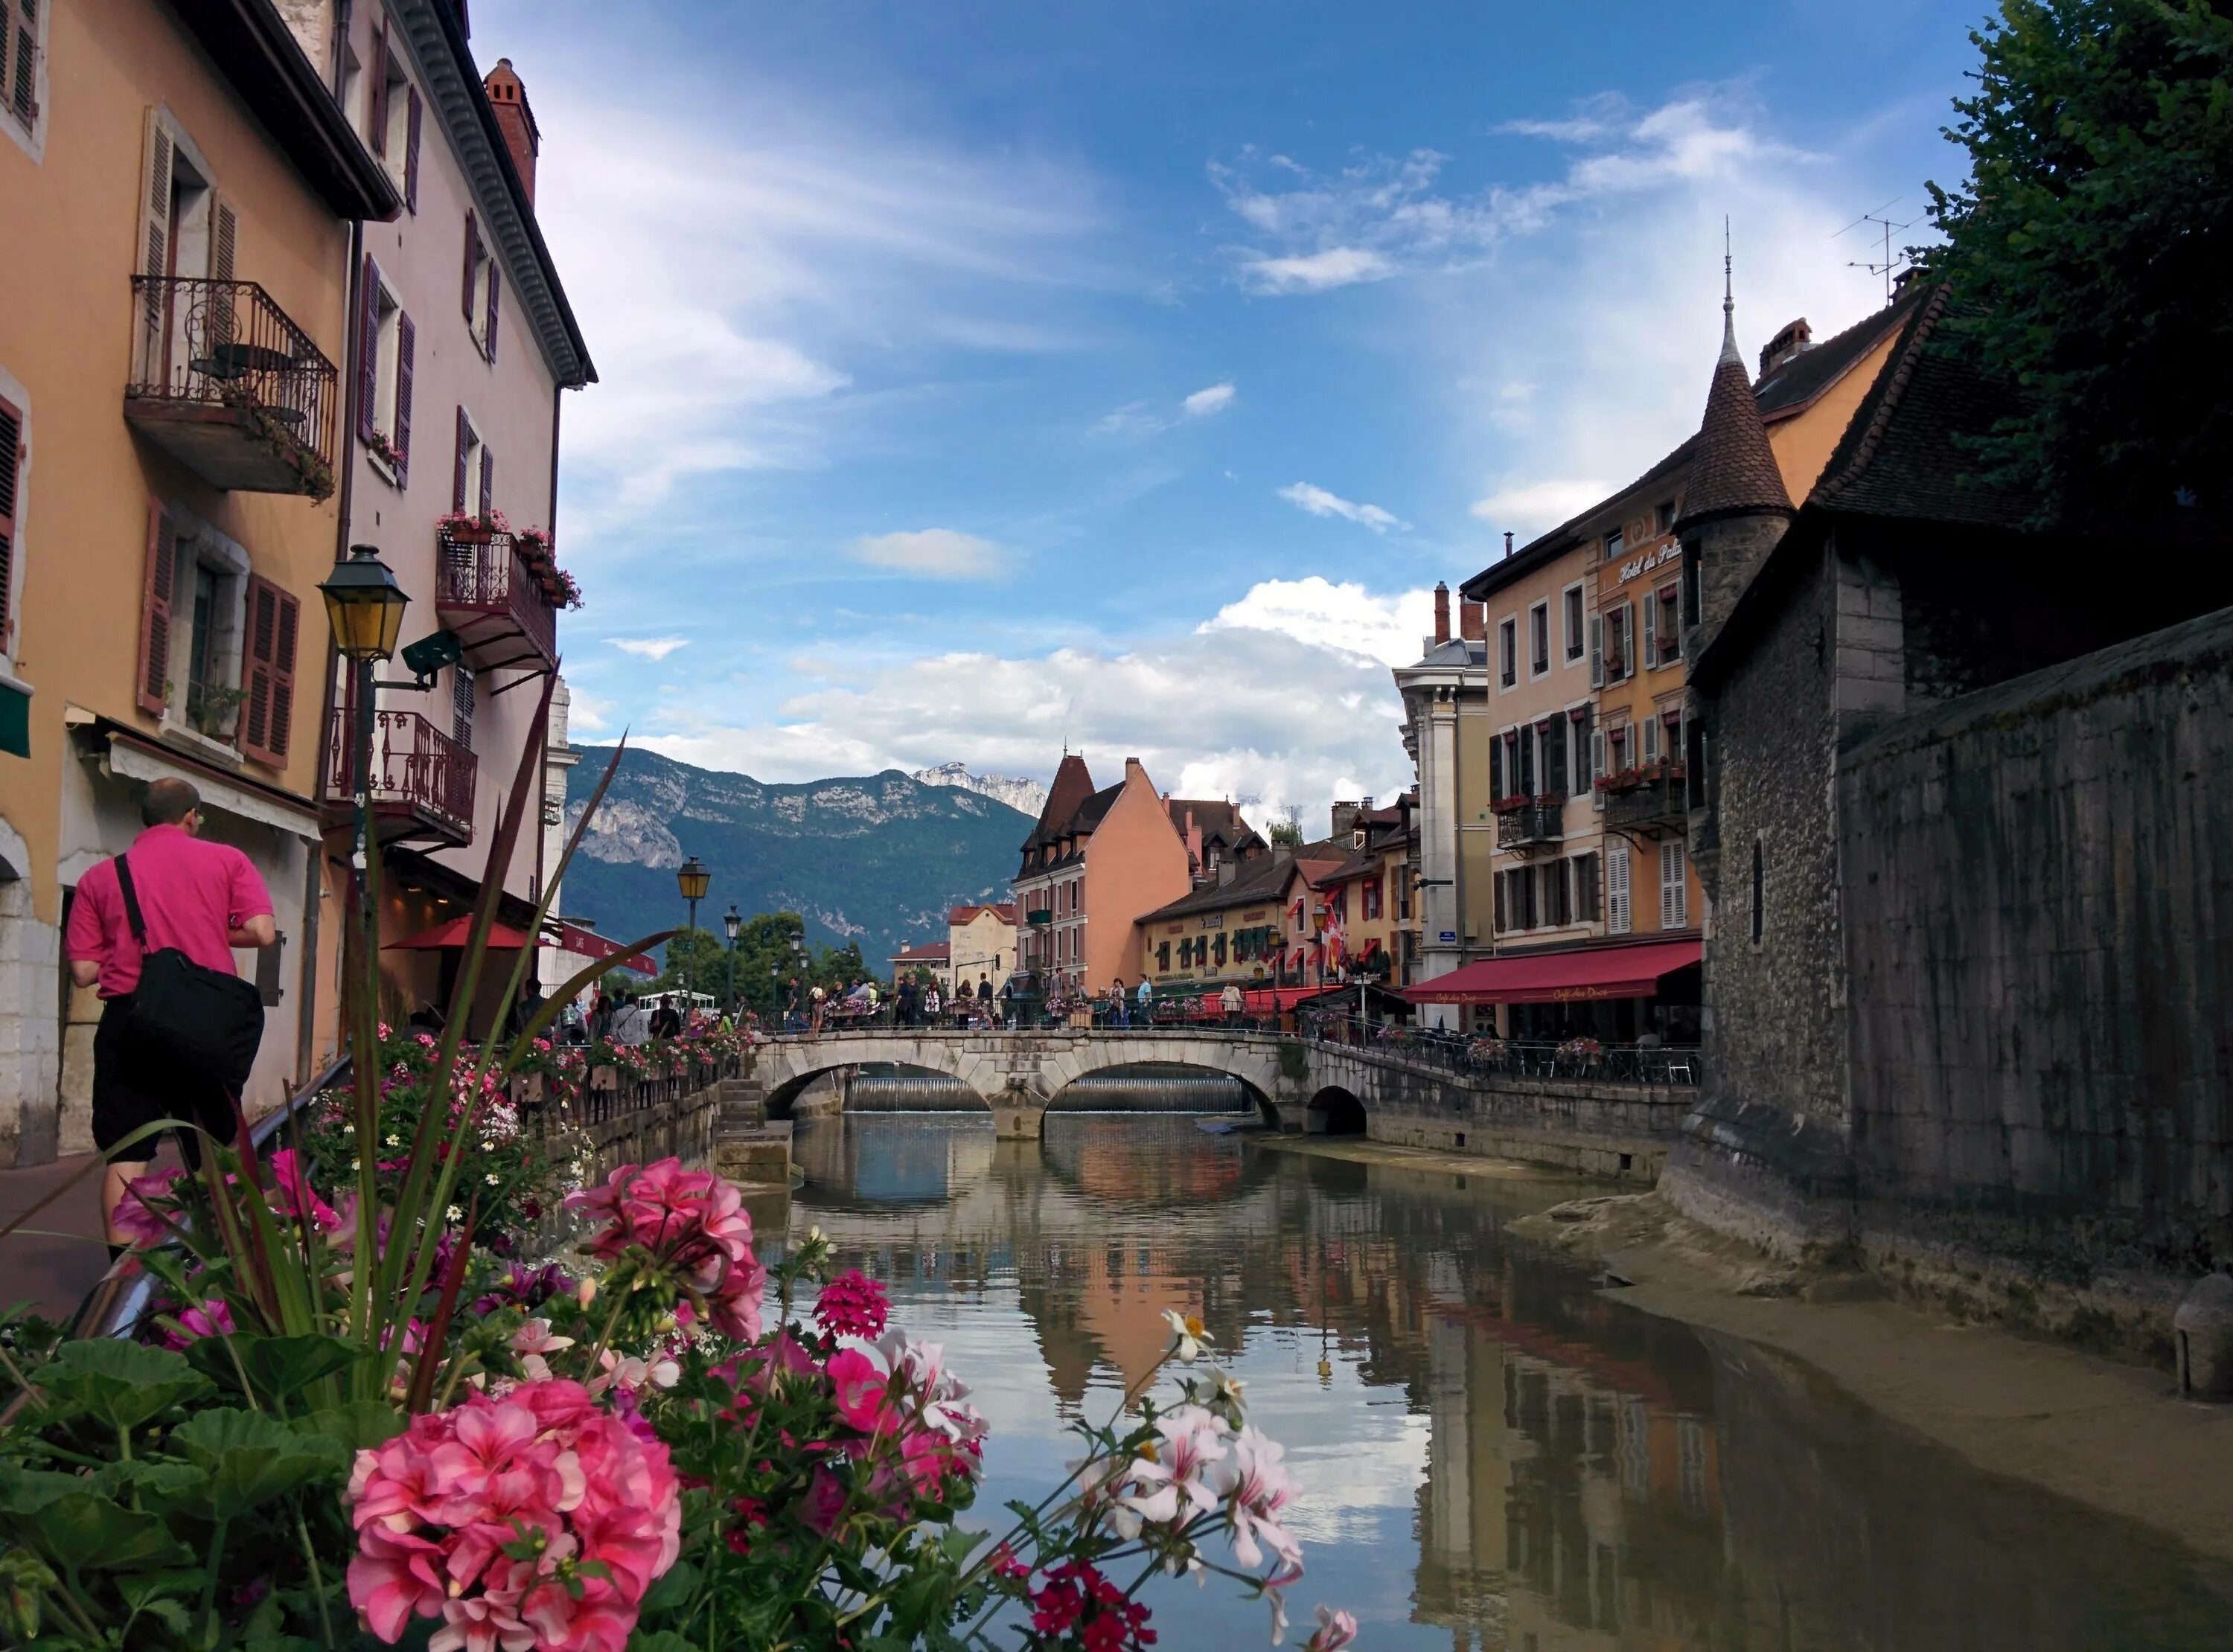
point(192, 895)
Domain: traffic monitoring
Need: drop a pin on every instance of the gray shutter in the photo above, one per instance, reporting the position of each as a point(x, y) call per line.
point(1597, 651)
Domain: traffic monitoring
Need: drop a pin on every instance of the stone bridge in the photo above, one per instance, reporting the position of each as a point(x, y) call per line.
point(1295, 1084)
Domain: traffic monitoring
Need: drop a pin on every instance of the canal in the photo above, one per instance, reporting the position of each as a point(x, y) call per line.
point(1494, 1452)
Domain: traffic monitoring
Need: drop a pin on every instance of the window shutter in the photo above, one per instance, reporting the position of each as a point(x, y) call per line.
point(22, 96)
point(1597, 651)
point(1495, 771)
point(154, 247)
point(496, 292)
point(1596, 765)
point(225, 239)
point(488, 481)
point(458, 480)
point(1651, 739)
point(461, 704)
point(1628, 640)
point(156, 609)
point(368, 353)
point(1674, 890)
point(376, 102)
point(1619, 912)
point(472, 262)
point(267, 714)
point(11, 470)
point(1651, 630)
point(1496, 887)
point(1554, 758)
point(407, 340)
point(413, 112)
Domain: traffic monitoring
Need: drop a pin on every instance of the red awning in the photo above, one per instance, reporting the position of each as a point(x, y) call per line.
point(1560, 977)
point(588, 943)
point(1274, 1001)
point(503, 938)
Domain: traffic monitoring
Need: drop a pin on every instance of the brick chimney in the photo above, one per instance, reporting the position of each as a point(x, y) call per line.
point(1473, 620)
point(507, 95)
point(1441, 612)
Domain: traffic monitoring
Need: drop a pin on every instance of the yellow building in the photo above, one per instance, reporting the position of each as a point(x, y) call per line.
point(178, 187)
point(980, 944)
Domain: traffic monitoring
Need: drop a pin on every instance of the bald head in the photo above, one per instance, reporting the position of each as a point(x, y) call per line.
point(168, 802)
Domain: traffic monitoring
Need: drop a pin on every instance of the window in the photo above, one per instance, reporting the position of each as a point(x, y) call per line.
point(387, 349)
point(1612, 544)
point(1662, 517)
point(1507, 652)
point(483, 290)
point(1758, 892)
point(1552, 739)
point(15, 454)
point(1371, 900)
point(1578, 731)
point(1525, 740)
point(1588, 907)
point(1217, 952)
point(217, 643)
point(1619, 758)
point(1674, 886)
point(1539, 639)
point(185, 230)
point(1618, 662)
point(1651, 730)
point(1558, 895)
point(19, 64)
point(1669, 628)
point(1530, 913)
point(462, 699)
point(1571, 603)
point(473, 483)
point(1619, 917)
point(1496, 770)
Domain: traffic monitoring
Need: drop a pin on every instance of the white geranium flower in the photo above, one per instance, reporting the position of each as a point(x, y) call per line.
point(1191, 1338)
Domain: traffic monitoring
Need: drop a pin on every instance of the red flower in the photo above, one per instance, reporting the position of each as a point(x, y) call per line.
point(852, 1304)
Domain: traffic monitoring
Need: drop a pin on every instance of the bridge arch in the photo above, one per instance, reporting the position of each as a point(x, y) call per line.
point(1078, 1095)
point(1335, 1110)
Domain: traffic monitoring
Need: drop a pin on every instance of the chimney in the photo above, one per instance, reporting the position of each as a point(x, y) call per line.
point(1441, 612)
point(1226, 871)
point(1508, 541)
point(1344, 819)
point(1473, 620)
point(1794, 337)
point(508, 97)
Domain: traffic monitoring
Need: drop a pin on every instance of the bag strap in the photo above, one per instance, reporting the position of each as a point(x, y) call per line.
point(131, 902)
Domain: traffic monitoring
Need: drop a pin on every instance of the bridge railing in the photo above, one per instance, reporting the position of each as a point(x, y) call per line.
point(1584, 1061)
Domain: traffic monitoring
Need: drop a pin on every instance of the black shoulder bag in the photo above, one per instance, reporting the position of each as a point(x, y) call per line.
point(206, 1020)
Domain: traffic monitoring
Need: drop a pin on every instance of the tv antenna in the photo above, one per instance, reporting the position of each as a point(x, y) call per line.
point(1889, 266)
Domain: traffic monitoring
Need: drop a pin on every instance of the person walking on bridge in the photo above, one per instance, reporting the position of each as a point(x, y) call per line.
point(1229, 1000)
point(169, 892)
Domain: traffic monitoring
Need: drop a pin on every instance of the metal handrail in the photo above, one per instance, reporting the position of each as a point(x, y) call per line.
point(226, 344)
point(414, 764)
point(483, 571)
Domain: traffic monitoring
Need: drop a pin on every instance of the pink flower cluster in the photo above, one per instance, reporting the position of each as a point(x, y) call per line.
point(532, 1521)
point(852, 1304)
point(694, 1223)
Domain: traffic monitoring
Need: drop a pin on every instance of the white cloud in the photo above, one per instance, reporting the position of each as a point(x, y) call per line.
point(1528, 507)
point(649, 647)
point(1305, 710)
point(1346, 617)
point(1216, 398)
point(1319, 503)
point(1315, 272)
point(587, 713)
point(934, 553)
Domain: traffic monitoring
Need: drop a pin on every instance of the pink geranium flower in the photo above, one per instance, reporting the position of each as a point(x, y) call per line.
point(139, 1218)
point(693, 1225)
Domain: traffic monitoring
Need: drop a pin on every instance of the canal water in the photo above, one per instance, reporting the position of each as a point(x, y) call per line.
point(1494, 1452)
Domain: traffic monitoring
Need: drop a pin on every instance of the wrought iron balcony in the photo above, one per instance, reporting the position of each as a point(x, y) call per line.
point(1531, 823)
point(499, 606)
point(422, 780)
point(223, 381)
point(1655, 805)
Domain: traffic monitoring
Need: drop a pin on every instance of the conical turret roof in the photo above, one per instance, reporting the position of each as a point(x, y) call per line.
point(1734, 472)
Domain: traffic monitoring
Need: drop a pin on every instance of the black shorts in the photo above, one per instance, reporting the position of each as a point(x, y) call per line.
point(131, 1089)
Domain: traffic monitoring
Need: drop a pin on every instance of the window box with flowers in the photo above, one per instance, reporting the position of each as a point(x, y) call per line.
point(470, 528)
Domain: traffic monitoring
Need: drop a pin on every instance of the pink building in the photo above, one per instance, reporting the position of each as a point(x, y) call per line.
point(1095, 863)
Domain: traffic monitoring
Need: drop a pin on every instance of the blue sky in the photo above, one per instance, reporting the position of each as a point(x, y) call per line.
point(982, 376)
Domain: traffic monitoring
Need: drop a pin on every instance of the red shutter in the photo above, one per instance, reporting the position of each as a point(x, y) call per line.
point(11, 466)
point(376, 104)
point(496, 292)
point(407, 339)
point(413, 112)
point(473, 262)
point(488, 481)
point(267, 714)
point(457, 482)
point(156, 609)
point(368, 353)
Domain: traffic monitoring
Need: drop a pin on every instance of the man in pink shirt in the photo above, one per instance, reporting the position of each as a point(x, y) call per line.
point(204, 899)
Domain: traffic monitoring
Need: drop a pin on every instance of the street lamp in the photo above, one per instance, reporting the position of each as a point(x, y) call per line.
point(733, 923)
point(690, 878)
point(364, 610)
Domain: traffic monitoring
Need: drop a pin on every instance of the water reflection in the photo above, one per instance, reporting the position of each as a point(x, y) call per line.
point(1496, 1454)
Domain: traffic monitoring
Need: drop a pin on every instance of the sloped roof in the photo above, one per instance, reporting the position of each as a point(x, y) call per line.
point(1213, 817)
point(1261, 880)
point(935, 951)
point(1735, 472)
point(1073, 784)
point(967, 914)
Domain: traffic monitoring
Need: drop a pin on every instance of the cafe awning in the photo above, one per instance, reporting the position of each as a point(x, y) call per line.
point(1561, 977)
point(503, 938)
point(588, 943)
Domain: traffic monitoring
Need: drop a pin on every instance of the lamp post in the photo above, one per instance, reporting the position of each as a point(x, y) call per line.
point(733, 923)
point(364, 609)
point(690, 878)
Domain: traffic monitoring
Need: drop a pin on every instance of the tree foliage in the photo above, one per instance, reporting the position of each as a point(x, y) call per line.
point(2088, 251)
point(771, 951)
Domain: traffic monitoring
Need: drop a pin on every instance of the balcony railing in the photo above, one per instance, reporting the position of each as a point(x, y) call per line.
point(486, 593)
point(1657, 805)
point(1525, 823)
point(422, 780)
point(226, 383)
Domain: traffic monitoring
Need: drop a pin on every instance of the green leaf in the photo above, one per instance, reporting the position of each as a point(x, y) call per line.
point(164, 1484)
point(356, 1425)
point(81, 1530)
point(279, 1368)
point(253, 1458)
point(121, 1383)
point(660, 1641)
point(673, 1589)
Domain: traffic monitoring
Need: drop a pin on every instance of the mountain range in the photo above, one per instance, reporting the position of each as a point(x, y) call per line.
point(1027, 795)
point(875, 859)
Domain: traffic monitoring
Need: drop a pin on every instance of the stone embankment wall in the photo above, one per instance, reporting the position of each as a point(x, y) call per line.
point(1617, 1131)
point(2039, 921)
point(682, 1128)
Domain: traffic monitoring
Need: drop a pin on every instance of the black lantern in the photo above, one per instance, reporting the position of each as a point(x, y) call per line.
point(364, 606)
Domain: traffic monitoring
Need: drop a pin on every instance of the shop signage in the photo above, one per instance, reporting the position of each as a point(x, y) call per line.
point(1649, 560)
